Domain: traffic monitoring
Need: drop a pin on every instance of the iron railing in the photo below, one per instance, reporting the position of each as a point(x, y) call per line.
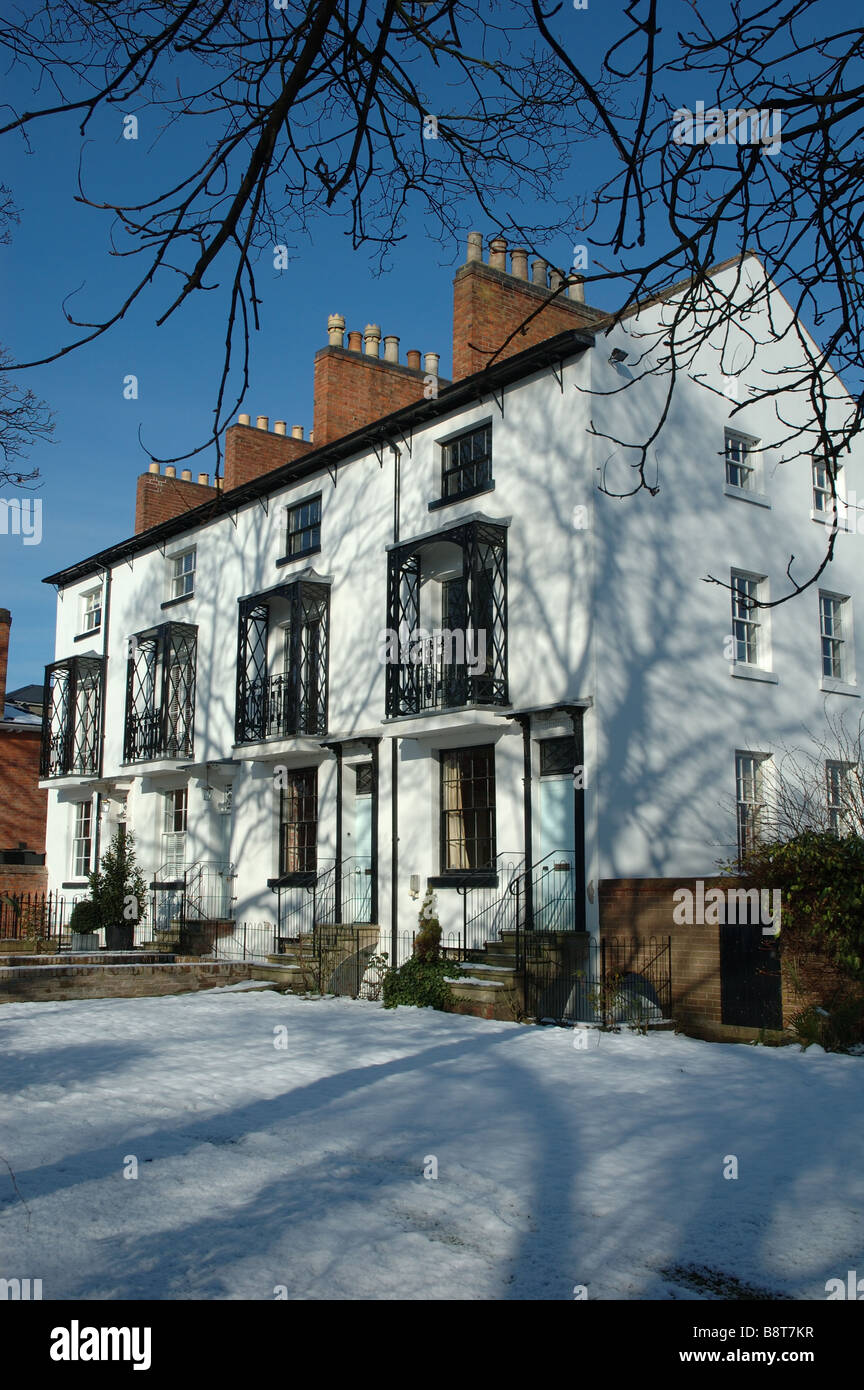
point(610, 981)
point(37, 916)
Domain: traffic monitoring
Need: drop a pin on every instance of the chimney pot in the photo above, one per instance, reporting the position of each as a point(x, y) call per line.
point(556, 280)
point(203, 479)
point(538, 272)
point(296, 431)
point(262, 422)
point(519, 262)
point(413, 359)
point(217, 483)
point(243, 420)
point(576, 289)
point(475, 246)
point(391, 348)
point(170, 470)
point(498, 253)
point(431, 361)
point(336, 330)
point(311, 436)
point(280, 426)
point(355, 341)
point(372, 339)
point(154, 468)
point(186, 475)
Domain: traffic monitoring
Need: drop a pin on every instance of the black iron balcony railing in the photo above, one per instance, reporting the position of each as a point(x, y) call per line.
point(72, 703)
point(275, 705)
point(149, 736)
point(160, 694)
point(444, 685)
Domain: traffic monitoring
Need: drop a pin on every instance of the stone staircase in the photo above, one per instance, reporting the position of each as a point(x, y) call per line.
point(491, 987)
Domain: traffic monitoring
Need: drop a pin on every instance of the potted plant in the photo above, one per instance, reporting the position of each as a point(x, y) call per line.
point(118, 892)
point(84, 924)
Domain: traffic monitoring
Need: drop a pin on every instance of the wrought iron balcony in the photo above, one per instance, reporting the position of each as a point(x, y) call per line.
point(71, 729)
point(275, 706)
point(468, 665)
point(288, 624)
point(160, 694)
point(444, 685)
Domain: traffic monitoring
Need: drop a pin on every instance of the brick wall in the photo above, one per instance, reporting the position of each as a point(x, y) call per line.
point(250, 453)
point(352, 390)
point(23, 807)
point(488, 304)
point(22, 878)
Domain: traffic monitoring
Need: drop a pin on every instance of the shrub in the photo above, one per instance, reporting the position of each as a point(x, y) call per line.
point(117, 887)
point(428, 940)
point(420, 982)
point(85, 917)
point(821, 879)
point(837, 1029)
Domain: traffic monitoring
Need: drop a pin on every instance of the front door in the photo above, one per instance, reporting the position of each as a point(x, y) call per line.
point(554, 897)
point(359, 886)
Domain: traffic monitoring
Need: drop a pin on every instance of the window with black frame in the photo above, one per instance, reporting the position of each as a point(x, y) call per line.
point(304, 528)
point(298, 822)
point(467, 809)
point(466, 463)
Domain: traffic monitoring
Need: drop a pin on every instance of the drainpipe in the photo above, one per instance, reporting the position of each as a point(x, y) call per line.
point(106, 621)
point(394, 857)
point(525, 722)
point(337, 749)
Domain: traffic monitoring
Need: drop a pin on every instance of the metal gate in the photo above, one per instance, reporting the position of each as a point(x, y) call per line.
point(569, 979)
point(750, 988)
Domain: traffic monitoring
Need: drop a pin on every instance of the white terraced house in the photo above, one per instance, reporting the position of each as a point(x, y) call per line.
point(374, 659)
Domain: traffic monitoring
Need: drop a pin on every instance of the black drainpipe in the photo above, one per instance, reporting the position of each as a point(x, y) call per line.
point(337, 749)
point(525, 722)
point(106, 619)
point(394, 857)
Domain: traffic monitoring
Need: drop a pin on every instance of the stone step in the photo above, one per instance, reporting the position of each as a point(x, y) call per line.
point(83, 958)
point(38, 983)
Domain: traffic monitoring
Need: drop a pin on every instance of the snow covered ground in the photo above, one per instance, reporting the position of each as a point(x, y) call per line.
point(302, 1167)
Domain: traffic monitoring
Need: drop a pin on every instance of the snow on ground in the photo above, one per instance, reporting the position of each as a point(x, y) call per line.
point(302, 1167)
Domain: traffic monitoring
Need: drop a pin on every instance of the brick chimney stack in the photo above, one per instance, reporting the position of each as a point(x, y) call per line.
point(5, 624)
point(490, 303)
point(358, 384)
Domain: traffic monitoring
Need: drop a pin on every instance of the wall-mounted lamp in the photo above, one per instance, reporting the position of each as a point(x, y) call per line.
point(207, 792)
point(617, 355)
point(414, 888)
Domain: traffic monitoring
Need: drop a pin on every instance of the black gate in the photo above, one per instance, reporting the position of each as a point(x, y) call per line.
point(750, 991)
point(571, 978)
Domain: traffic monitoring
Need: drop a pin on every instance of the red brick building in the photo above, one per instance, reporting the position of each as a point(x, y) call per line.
point(23, 806)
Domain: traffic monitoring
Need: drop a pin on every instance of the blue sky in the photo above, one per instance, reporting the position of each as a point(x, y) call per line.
point(89, 472)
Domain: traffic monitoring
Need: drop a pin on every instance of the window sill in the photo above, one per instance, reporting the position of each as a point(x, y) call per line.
point(753, 673)
point(76, 883)
point(299, 879)
point(461, 496)
point(744, 494)
point(835, 687)
point(302, 555)
point(93, 632)
point(173, 602)
point(477, 878)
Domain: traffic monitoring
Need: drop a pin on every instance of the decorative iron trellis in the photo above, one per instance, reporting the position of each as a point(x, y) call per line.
point(295, 701)
point(72, 702)
point(477, 611)
point(160, 693)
